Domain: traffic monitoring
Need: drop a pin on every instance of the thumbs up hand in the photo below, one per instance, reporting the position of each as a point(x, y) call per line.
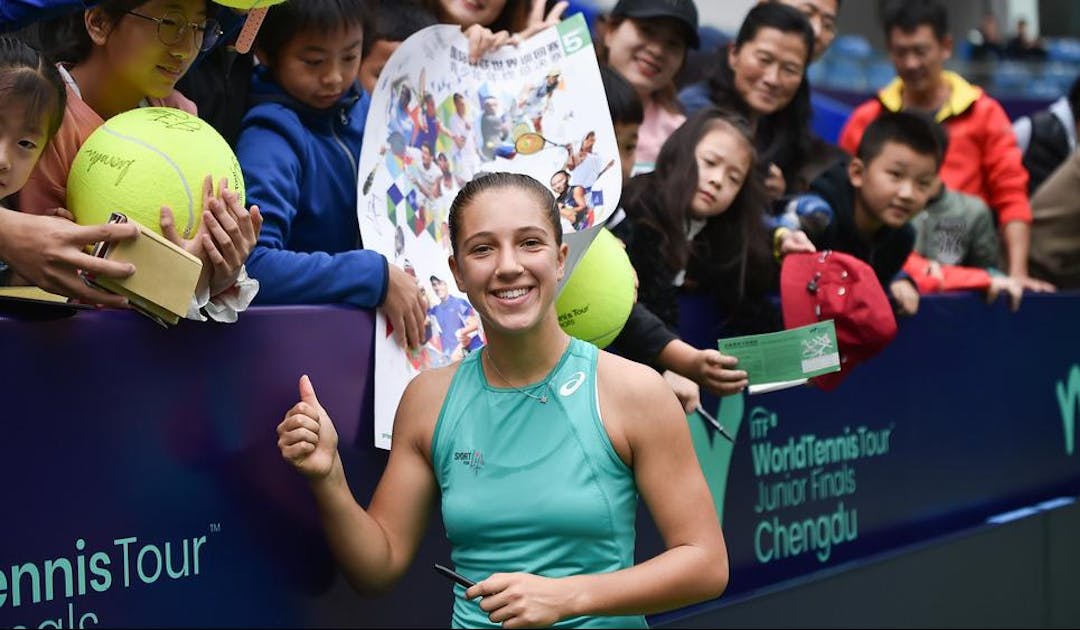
point(307, 437)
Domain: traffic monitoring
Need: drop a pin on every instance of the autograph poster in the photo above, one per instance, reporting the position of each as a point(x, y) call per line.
point(436, 122)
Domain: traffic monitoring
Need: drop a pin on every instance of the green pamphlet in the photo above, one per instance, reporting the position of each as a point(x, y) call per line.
point(786, 358)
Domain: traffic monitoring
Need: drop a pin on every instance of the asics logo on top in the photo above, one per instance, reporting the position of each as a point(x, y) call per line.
point(572, 385)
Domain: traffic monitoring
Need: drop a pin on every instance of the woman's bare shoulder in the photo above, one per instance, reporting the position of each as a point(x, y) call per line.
point(422, 401)
point(632, 380)
point(632, 396)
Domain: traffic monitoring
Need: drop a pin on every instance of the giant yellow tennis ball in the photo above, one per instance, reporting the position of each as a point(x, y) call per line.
point(597, 297)
point(146, 158)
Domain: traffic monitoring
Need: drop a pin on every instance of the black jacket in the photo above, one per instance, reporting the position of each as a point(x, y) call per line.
point(886, 251)
point(1047, 149)
point(646, 332)
point(654, 320)
point(218, 80)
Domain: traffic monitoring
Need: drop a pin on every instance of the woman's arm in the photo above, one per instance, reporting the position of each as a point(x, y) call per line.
point(709, 368)
point(375, 546)
point(649, 431)
point(644, 418)
point(270, 150)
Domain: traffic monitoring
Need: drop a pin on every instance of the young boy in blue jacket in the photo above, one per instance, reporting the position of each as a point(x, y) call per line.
point(299, 146)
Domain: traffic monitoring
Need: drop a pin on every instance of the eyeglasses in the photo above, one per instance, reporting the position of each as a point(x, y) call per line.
point(172, 27)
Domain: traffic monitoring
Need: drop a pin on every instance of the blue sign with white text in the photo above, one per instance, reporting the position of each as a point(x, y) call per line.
point(143, 484)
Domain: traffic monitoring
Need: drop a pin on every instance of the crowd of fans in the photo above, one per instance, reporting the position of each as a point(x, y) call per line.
point(727, 192)
point(931, 184)
point(289, 116)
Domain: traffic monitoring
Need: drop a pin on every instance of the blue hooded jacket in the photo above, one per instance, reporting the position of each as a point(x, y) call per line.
point(300, 168)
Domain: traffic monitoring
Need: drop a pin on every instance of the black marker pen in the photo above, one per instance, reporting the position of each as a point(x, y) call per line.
point(454, 575)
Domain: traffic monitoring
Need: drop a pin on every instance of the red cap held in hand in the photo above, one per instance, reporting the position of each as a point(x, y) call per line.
point(825, 285)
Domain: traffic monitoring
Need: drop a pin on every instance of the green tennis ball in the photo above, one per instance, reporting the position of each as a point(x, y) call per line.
point(597, 297)
point(146, 158)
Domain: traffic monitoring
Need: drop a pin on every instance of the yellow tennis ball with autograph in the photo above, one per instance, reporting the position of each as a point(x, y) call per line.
point(596, 299)
point(146, 158)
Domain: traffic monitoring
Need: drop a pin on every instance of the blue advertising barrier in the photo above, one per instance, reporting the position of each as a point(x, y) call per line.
point(968, 415)
point(143, 486)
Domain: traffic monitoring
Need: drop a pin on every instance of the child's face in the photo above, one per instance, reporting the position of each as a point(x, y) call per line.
point(316, 68)
point(647, 52)
point(894, 186)
point(626, 137)
point(468, 12)
point(20, 146)
point(723, 162)
point(372, 65)
point(133, 46)
point(769, 69)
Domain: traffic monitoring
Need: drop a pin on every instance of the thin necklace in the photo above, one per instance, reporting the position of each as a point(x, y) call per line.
point(542, 398)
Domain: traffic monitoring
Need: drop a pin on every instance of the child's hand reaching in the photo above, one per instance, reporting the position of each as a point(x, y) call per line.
point(63, 213)
point(482, 41)
point(775, 186)
point(404, 307)
point(225, 238)
point(906, 297)
point(1009, 285)
point(719, 373)
point(795, 241)
point(686, 390)
point(538, 21)
point(49, 252)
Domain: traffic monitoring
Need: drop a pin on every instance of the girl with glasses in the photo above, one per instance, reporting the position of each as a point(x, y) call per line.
point(123, 54)
point(173, 29)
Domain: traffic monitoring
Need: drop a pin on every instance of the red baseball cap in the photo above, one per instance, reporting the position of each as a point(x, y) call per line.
point(832, 285)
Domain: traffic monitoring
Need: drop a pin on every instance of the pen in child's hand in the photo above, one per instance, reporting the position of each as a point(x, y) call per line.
point(454, 575)
point(716, 423)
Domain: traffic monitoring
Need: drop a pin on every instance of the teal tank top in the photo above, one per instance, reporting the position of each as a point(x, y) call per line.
point(530, 486)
